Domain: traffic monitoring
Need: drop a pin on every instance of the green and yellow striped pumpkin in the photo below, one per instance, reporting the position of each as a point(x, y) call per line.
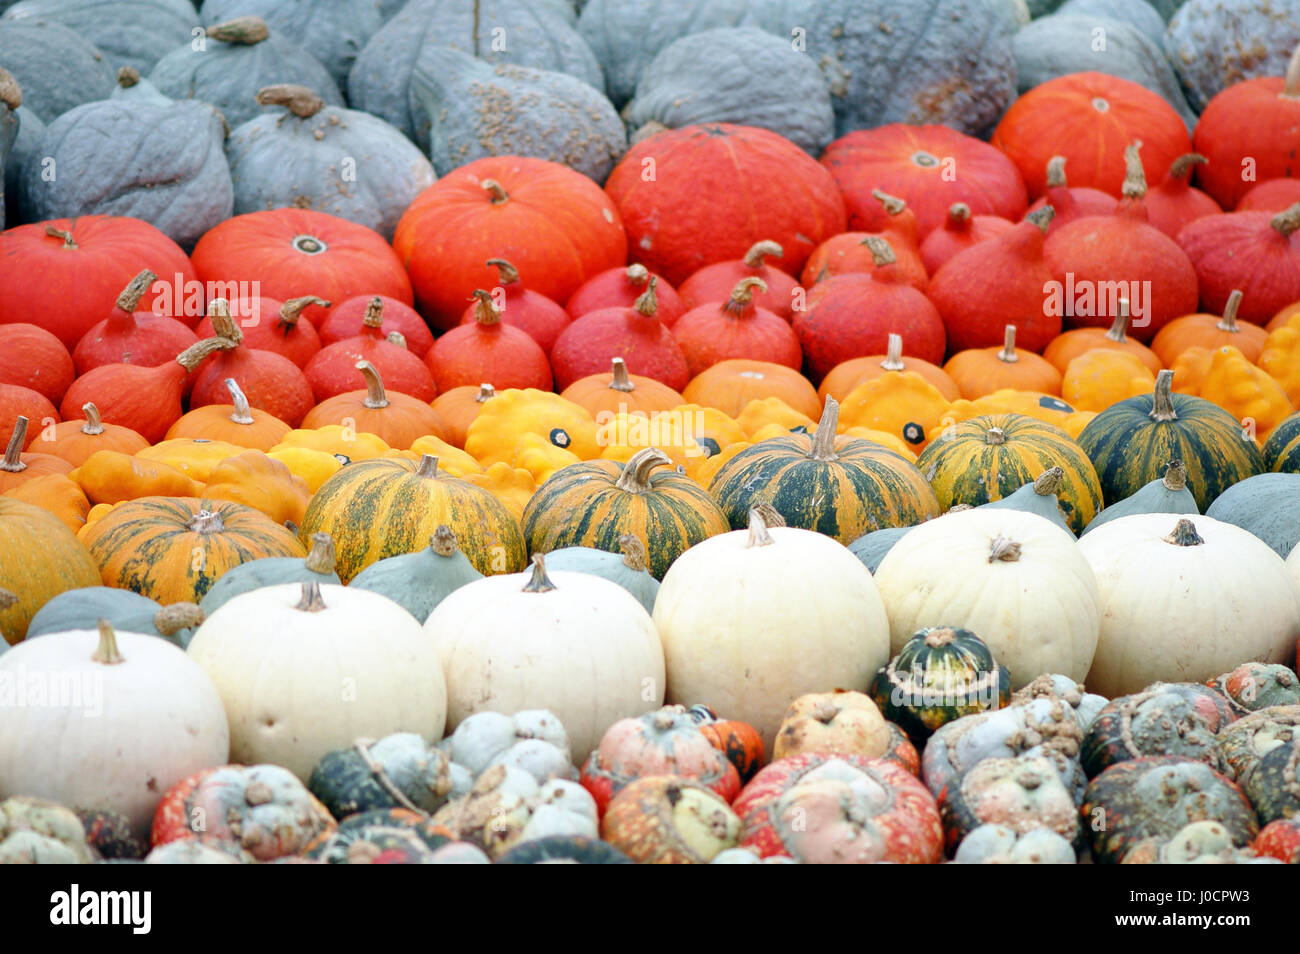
point(593, 503)
point(990, 457)
point(1131, 442)
point(1282, 449)
point(837, 485)
point(388, 506)
point(172, 549)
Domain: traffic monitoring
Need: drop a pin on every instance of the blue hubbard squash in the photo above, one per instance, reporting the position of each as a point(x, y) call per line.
point(31, 46)
point(1267, 505)
point(317, 565)
point(1282, 449)
point(628, 568)
point(1038, 496)
point(122, 609)
point(1167, 494)
point(419, 581)
point(1131, 441)
point(128, 32)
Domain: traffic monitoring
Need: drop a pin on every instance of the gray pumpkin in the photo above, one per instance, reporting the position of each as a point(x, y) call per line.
point(871, 547)
point(122, 609)
point(11, 99)
point(1136, 13)
point(420, 581)
point(333, 31)
point(27, 50)
point(128, 32)
point(1267, 505)
point(29, 131)
point(626, 35)
point(1037, 497)
point(1213, 44)
point(236, 59)
point(627, 569)
point(317, 566)
point(1167, 494)
point(304, 154)
point(132, 89)
point(925, 61)
point(736, 75)
point(997, 844)
point(163, 164)
point(1078, 42)
point(497, 31)
point(466, 108)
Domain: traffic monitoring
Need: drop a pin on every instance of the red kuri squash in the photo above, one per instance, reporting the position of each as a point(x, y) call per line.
point(620, 288)
point(35, 358)
point(713, 283)
point(1273, 195)
point(1070, 202)
point(274, 326)
point(399, 419)
point(488, 350)
point(131, 336)
point(1256, 252)
point(960, 230)
point(16, 401)
point(737, 328)
point(529, 311)
point(1175, 201)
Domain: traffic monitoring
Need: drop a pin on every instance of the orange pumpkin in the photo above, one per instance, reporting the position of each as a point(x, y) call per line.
point(1190, 370)
point(1210, 331)
point(488, 350)
point(848, 251)
point(1065, 347)
point(730, 385)
point(459, 406)
point(17, 400)
point(1281, 358)
point(17, 467)
point(1283, 317)
point(260, 482)
point(847, 375)
point(109, 477)
point(236, 423)
point(399, 419)
point(1101, 377)
point(76, 440)
point(619, 391)
point(980, 371)
point(57, 493)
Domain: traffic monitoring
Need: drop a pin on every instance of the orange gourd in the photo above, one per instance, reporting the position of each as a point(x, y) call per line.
point(1210, 331)
point(459, 406)
point(618, 391)
point(847, 375)
point(109, 477)
point(236, 422)
point(529, 311)
point(57, 493)
point(1175, 201)
point(960, 230)
point(128, 336)
point(35, 358)
point(1067, 346)
point(17, 467)
point(730, 385)
point(76, 440)
point(260, 482)
point(713, 283)
point(736, 328)
point(980, 371)
point(398, 418)
point(1246, 392)
point(761, 413)
point(1281, 358)
point(1101, 377)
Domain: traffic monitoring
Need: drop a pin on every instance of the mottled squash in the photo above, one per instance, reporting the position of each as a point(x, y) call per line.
point(39, 559)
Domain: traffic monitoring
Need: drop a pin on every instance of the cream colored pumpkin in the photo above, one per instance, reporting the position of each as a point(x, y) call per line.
point(1184, 599)
point(304, 669)
point(572, 643)
point(1293, 564)
point(119, 719)
point(1015, 579)
point(753, 619)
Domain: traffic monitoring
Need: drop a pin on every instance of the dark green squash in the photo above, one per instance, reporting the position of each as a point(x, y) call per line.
point(1273, 787)
point(1282, 449)
point(399, 771)
point(1037, 497)
point(122, 609)
point(318, 565)
point(1130, 443)
point(1176, 718)
point(627, 568)
point(1267, 505)
point(1167, 494)
point(559, 849)
point(420, 581)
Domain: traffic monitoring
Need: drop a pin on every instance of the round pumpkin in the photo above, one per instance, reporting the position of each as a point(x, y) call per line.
point(1256, 252)
point(376, 316)
point(848, 375)
point(621, 392)
point(981, 371)
point(400, 419)
point(1282, 449)
point(39, 559)
point(34, 358)
point(1209, 331)
point(714, 283)
point(730, 385)
point(620, 288)
point(960, 230)
point(488, 349)
point(130, 335)
point(738, 327)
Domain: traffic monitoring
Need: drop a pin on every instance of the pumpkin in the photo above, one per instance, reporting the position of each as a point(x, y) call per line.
point(333, 371)
point(1282, 449)
point(488, 349)
point(628, 568)
point(1095, 117)
point(538, 316)
point(980, 291)
point(35, 359)
point(1175, 202)
point(620, 288)
point(709, 177)
point(1038, 497)
point(1278, 358)
point(1245, 742)
point(917, 163)
point(1011, 576)
point(1279, 839)
point(17, 468)
point(30, 44)
point(849, 251)
point(39, 559)
point(128, 33)
point(991, 844)
point(1247, 251)
point(1210, 331)
point(621, 392)
point(497, 431)
point(130, 336)
point(458, 407)
point(1271, 195)
point(419, 581)
point(1271, 786)
point(730, 385)
point(1069, 345)
point(1244, 391)
point(832, 723)
point(154, 719)
point(1254, 685)
point(1167, 494)
point(981, 371)
point(722, 647)
point(485, 210)
point(261, 482)
point(737, 328)
point(57, 493)
point(1024, 793)
point(109, 477)
point(1262, 505)
point(288, 334)
point(397, 771)
point(904, 406)
point(1128, 443)
point(399, 419)
point(564, 849)
point(1070, 202)
point(1101, 377)
point(124, 611)
point(960, 230)
point(193, 457)
point(848, 375)
point(388, 836)
point(17, 401)
point(376, 316)
point(236, 423)
point(714, 283)
point(666, 819)
point(1179, 719)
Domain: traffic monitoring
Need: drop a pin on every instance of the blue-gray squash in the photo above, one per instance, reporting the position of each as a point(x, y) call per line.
point(234, 61)
point(1213, 44)
point(11, 99)
point(1167, 494)
point(1267, 505)
point(165, 164)
point(924, 61)
point(738, 75)
point(626, 35)
point(333, 31)
point(871, 547)
point(317, 566)
point(128, 32)
point(420, 581)
point(29, 131)
point(27, 50)
point(1136, 13)
point(466, 108)
point(303, 154)
point(122, 609)
point(132, 89)
point(628, 569)
point(519, 32)
point(1037, 497)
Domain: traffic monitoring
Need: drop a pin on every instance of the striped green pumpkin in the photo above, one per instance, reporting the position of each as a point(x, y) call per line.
point(593, 503)
point(1282, 449)
point(986, 458)
point(1131, 442)
point(387, 506)
point(841, 486)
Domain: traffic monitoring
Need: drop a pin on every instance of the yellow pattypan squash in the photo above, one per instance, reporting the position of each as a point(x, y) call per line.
point(768, 431)
point(1101, 377)
point(513, 486)
point(451, 459)
point(1049, 408)
point(502, 423)
point(1190, 369)
point(902, 403)
point(540, 457)
point(57, 493)
point(761, 412)
point(1244, 391)
point(313, 466)
point(110, 476)
point(261, 482)
point(1076, 422)
point(884, 438)
point(706, 426)
point(192, 456)
point(336, 439)
point(1281, 358)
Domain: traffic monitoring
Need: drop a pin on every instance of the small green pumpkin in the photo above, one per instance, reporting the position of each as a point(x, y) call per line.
point(1167, 494)
point(318, 565)
point(399, 771)
point(1282, 449)
point(628, 569)
point(1267, 505)
point(124, 610)
point(1038, 496)
point(420, 581)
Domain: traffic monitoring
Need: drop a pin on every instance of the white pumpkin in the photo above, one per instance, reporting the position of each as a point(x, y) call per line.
point(105, 720)
point(753, 619)
point(572, 643)
point(1293, 565)
point(1184, 599)
point(304, 669)
point(1015, 579)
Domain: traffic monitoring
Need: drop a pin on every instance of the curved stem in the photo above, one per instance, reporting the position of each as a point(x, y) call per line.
point(129, 300)
point(376, 398)
point(1229, 320)
point(893, 205)
point(65, 234)
point(197, 353)
point(93, 426)
point(291, 310)
point(1118, 331)
point(299, 100)
point(1135, 177)
point(894, 354)
point(1008, 352)
point(823, 442)
point(539, 582)
point(1181, 168)
point(1162, 402)
point(759, 251)
point(633, 551)
point(771, 516)
point(635, 478)
point(882, 253)
point(647, 303)
point(1287, 221)
point(758, 535)
point(620, 380)
point(242, 413)
point(486, 312)
point(170, 620)
point(223, 325)
point(1042, 217)
point(13, 459)
point(742, 296)
point(106, 652)
point(507, 274)
point(443, 541)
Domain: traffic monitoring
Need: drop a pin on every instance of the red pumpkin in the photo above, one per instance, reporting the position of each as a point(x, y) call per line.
point(960, 230)
point(740, 742)
point(737, 328)
point(848, 251)
point(1175, 202)
point(146, 400)
point(131, 336)
point(620, 288)
point(701, 194)
point(17, 401)
point(488, 350)
point(376, 316)
point(1279, 839)
point(1257, 252)
point(853, 315)
point(713, 283)
point(634, 334)
point(929, 167)
point(334, 370)
point(534, 314)
point(1090, 118)
point(1071, 202)
point(980, 291)
point(34, 358)
point(1273, 195)
point(285, 253)
point(554, 224)
point(273, 325)
point(64, 275)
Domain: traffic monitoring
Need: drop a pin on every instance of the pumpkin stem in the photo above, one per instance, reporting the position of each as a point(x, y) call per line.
point(1042, 217)
point(1049, 481)
point(223, 324)
point(635, 478)
point(823, 442)
point(66, 235)
point(742, 296)
point(1287, 221)
point(242, 414)
point(397, 339)
point(1008, 352)
point(958, 508)
point(170, 620)
point(495, 189)
point(647, 303)
point(1185, 535)
point(299, 100)
point(1291, 82)
point(485, 393)
point(939, 636)
point(507, 274)
point(758, 535)
point(197, 353)
point(633, 550)
point(13, 459)
point(539, 582)
point(206, 521)
point(311, 600)
point(882, 253)
point(1181, 168)
point(127, 76)
point(107, 652)
point(1135, 177)
point(428, 467)
point(1175, 475)
point(1056, 172)
point(291, 310)
point(486, 312)
point(958, 216)
point(1162, 403)
point(321, 558)
point(374, 316)
point(620, 380)
point(10, 92)
point(93, 426)
point(893, 205)
point(443, 541)
point(894, 354)
point(994, 436)
point(134, 291)
point(1004, 550)
point(637, 275)
point(243, 31)
point(771, 516)
point(1118, 330)
point(759, 251)
point(1229, 320)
